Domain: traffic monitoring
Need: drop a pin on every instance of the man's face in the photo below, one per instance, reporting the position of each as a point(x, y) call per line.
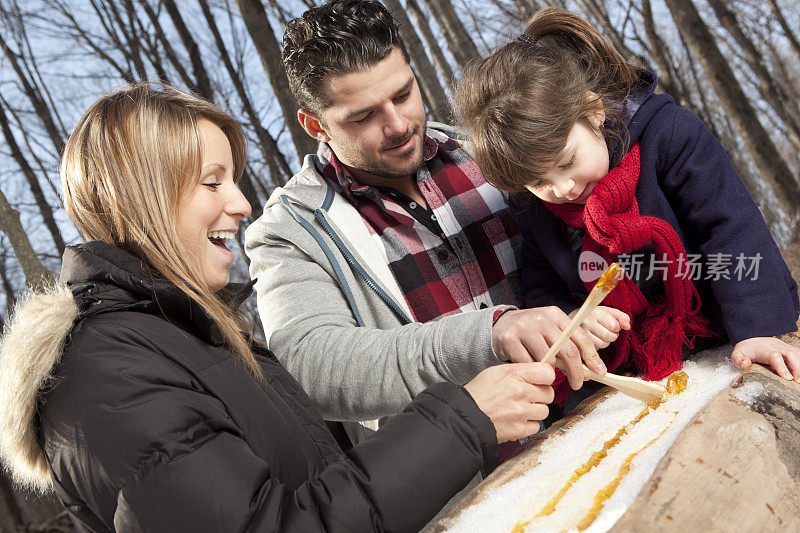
point(376, 124)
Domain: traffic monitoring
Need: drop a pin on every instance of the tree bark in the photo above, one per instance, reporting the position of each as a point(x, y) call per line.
point(255, 18)
point(770, 91)
point(787, 31)
point(8, 288)
point(202, 81)
point(131, 46)
point(660, 52)
point(169, 51)
point(598, 11)
point(711, 466)
point(279, 168)
point(458, 39)
point(45, 209)
point(732, 452)
point(39, 106)
point(35, 273)
point(439, 60)
point(733, 99)
point(426, 75)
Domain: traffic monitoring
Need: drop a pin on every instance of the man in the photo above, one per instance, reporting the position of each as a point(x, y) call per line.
point(388, 263)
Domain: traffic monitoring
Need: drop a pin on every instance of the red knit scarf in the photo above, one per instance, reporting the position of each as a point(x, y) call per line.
point(614, 226)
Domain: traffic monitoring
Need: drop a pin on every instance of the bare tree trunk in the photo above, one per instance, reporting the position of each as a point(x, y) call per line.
point(35, 272)
point(33, 94)
point(766, 157)
point(426, 75)
point(518, 12)
point(475, 24)
point(280, 12)
point(527, 7)
point(169, 51)
point(151, 51)
point(787, 31)
point(131, 46)
point(270, 53)
point(458, 39)
point(8, 288)
point(770, 91)
point(32, 152)
point(439, 60)
point(783, 74)
point(202, 81)
point(701, 110)
point(33, 71)
point(660, 52)
point(45, 208)
point(279, 168)
point(598, 11)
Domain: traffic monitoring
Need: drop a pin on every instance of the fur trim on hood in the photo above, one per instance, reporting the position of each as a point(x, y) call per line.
point(31, 349)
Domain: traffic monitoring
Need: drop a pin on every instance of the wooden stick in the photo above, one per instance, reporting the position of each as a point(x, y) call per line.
point(646, 391)
point(605, 284)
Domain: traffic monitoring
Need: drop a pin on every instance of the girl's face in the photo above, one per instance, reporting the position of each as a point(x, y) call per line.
point(582, 163)
point(209, 213)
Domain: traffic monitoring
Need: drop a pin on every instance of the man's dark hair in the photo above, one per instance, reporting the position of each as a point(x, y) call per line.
point(338, 37)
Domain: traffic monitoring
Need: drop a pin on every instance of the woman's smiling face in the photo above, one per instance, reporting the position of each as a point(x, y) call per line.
point(209, 213)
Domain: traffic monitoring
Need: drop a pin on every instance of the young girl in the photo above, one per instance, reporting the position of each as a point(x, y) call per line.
point(617, 171)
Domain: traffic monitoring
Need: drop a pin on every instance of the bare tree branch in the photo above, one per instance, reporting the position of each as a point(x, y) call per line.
point(44, 208)
point(255, 18)
point(773, 166)
point(202, 81)
point(35, 272)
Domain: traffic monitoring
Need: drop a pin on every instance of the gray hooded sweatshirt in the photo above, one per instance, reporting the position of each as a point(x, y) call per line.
point(335, 317)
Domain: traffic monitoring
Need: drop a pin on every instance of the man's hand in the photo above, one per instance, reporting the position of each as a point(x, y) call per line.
point(782, 357)
point(525, 335)
point(514, 397)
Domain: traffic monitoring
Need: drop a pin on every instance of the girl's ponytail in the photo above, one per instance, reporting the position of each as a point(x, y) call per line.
point(519, 104)
point(605, 66)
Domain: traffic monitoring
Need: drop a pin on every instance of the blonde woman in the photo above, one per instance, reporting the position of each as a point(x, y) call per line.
point(131, 390)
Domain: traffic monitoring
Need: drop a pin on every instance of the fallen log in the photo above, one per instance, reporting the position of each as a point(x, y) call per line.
point(735, 465)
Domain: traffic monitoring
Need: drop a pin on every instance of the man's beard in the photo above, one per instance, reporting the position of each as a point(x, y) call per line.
point(384, 170)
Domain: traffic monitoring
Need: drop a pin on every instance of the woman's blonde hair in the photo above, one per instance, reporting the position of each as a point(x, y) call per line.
point(133, 155)
point(519, 104)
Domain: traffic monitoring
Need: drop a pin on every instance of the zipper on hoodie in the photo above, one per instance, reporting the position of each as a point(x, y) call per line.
point(357, 267)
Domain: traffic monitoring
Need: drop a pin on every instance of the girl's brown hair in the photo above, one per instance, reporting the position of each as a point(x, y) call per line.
point(519, 104)
point(133, 155)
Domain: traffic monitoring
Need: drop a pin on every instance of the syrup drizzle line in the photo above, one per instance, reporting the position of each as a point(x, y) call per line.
point(606, 492)
point(676, 384)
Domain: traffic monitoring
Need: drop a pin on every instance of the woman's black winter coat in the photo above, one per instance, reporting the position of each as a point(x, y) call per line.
point(149, 423)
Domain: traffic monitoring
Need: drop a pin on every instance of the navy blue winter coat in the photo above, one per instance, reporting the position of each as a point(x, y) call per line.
point(688, 181)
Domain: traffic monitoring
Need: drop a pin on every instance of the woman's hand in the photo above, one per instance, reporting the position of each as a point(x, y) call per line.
point(514, 397)
point(782, 357)
point(604, 324)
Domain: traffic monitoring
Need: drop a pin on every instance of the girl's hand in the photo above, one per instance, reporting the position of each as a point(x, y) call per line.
point(604, 324)
point(782, 357)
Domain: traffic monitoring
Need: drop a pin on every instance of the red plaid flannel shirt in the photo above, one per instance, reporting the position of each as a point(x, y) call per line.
point(476, 267)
